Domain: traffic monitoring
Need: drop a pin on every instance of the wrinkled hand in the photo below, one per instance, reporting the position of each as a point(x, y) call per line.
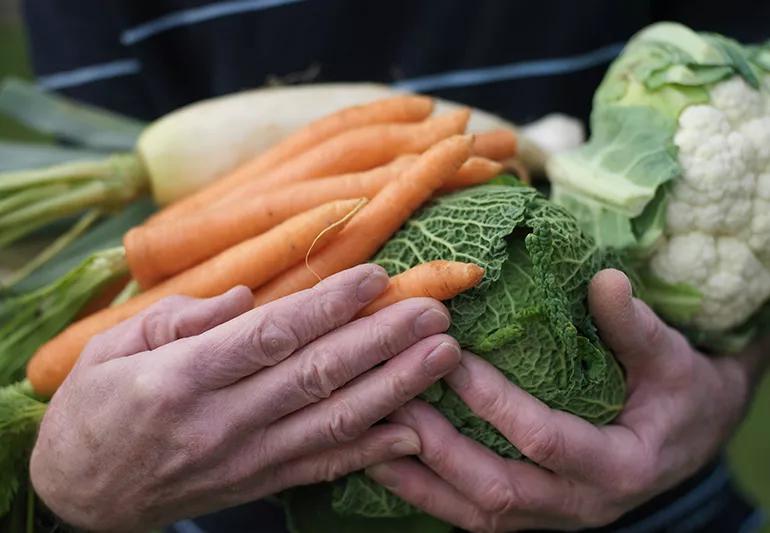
point(201, 404)
point(681, 407)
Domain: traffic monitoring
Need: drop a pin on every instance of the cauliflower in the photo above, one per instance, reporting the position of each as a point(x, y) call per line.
point(677, 173)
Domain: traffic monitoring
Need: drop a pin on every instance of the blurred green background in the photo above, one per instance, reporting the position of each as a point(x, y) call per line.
point(749, 450)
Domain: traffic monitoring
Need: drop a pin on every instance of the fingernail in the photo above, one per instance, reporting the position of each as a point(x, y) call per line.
point(407, 446)
point(371, 286)
point(442, 359)
point(384, 475)
point(431, 322)
point(459, 377)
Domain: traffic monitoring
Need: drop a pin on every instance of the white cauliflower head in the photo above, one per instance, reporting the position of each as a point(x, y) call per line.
point(677, 174)
point(717, 234)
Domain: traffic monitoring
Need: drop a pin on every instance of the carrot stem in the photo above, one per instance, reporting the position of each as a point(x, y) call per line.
point(28, 196)
point(55, 247)
point(125, 166)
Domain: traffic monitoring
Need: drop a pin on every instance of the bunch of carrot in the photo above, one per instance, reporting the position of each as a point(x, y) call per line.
point(322, 200)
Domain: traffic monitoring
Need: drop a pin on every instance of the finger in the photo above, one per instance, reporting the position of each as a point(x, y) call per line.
point(417, 485)
point(350, 411)
point(556, 440)
point(379, 444)
point(330, 362)
point(492, 483)
point(269, 334)
point(414, 483)
point(638, 338)
point(170, 319)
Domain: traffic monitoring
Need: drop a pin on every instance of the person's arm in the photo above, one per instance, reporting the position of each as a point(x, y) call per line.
point(682, 406)
point(197, 405)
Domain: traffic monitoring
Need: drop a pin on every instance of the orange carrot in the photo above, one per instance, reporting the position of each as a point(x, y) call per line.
point(405, 108)
point(251, 263)
point(356, 150)
point(496, 144)
point(157, 251)
point(380, 219)
point(474, 171)
point(441, 280)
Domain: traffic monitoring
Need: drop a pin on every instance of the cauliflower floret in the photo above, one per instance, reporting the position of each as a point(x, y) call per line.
point(726, 272)
point(717, 184)
point(757, 132)
point(718, 214)
point(738, 100)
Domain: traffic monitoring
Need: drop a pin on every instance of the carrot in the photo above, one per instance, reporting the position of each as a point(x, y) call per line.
point(355, 150)
point(441, 280)
point(251, 263)
point(496, 144)
point(380, 219)
point(157, 251)
point(406, 108)
point(474, 171)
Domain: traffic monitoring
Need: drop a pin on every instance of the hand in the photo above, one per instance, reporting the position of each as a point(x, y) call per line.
point(202, 404)
point(681, 408)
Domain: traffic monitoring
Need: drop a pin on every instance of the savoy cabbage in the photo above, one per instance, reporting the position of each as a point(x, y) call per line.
point(528, 316)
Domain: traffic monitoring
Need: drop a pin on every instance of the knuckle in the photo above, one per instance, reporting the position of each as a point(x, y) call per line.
point(497, 497)
point(156, 327)
point(316, 377)
point(438, 455)
point(273, 341)
point(152, 390)
point(330, 470)
point(489, 403)
point(401, 390)
point(542, 444)
point(333, 306)
point(344, 424)
point(387, 336)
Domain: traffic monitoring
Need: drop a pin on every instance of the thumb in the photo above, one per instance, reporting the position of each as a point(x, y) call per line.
point(634, 333)
point(170, 319)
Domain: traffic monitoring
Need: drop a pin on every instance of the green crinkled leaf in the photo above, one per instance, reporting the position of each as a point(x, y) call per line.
point(359, 496)
point(528, 316)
